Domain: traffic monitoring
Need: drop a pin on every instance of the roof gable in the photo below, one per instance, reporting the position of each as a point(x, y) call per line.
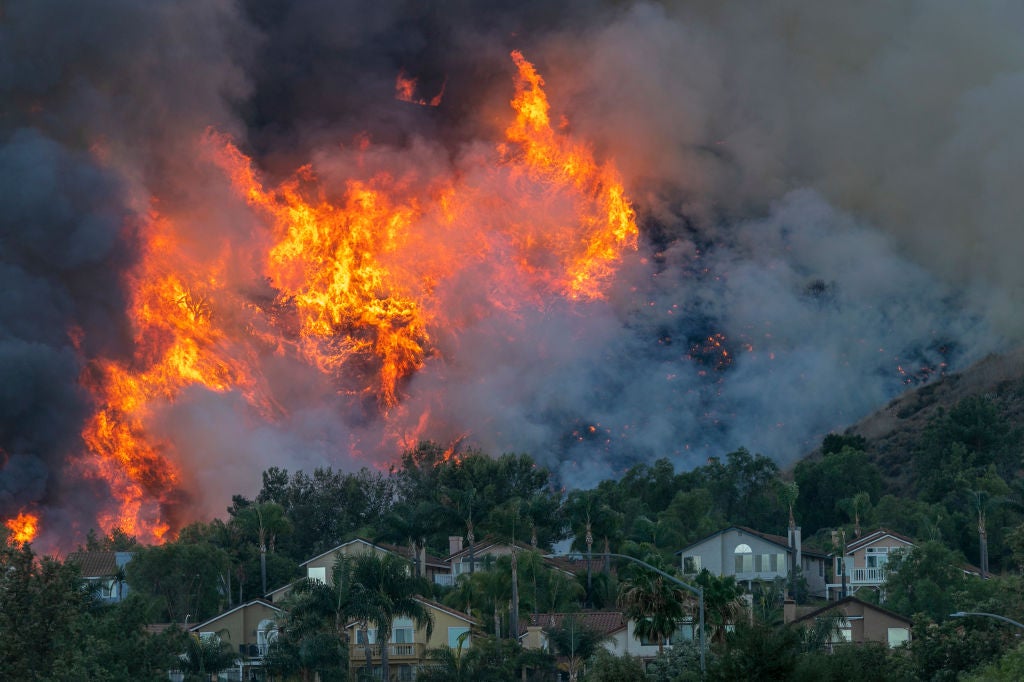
point(847, 601)
point(773, 539)
point(403, 552)
point(876, 536)
point(261, 602)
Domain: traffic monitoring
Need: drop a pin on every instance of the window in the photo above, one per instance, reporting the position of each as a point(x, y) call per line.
point(406, 673)
point(898, 636)
point(455, 634)
point(402, 631)
point(877, 557)
point(317, 573)
point(691, 564)
point(370, 634)
point(684, 632)
point(744, 559)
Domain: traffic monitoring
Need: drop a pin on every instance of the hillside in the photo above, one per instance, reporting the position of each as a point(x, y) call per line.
point(892, 431)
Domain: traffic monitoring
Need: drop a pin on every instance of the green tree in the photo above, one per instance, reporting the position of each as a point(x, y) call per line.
point(723, 603)
point(757, 653)
point(313, 638)
point(382, 591)
point(655, 604)
point(967, 438)
point(576, 641)
point(205, 656)
point(184, 577)
point(1008, 668)
point(836, 476)
point(927, 580)
point(607, 667)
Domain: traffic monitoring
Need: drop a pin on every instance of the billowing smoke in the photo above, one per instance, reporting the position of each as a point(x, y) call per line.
point(825, 195)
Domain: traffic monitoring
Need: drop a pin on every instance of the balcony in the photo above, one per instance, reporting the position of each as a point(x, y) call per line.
point(874, 576)
point(396, 652)
point(444, 579)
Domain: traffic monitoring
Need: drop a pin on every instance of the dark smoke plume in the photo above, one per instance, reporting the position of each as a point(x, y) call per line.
point(828, 197)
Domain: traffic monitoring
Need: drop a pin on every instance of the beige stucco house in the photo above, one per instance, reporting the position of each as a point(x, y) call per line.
point(408, 645)
point(249, 629)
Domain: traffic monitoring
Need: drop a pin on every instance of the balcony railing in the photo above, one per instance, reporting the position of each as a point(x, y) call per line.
point(868, 575)
point(444, 579)
point(396, 652)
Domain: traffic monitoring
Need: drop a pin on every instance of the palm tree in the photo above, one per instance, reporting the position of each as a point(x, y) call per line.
point(656, 605)
point(205, 656)
point(723, 602)
point(383, 591)
point(855, 507)
point(413, 524)
point(317, 615)
point(576, 641)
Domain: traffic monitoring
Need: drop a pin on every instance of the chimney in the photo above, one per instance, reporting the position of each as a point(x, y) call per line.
point(795, 546)
point(454, 544)
point(788, 611)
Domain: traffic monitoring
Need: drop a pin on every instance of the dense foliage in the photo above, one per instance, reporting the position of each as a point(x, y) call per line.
point(966, 508)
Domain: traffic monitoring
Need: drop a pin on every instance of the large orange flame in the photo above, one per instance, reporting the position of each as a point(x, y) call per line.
point(23, 527)
point(355, 275)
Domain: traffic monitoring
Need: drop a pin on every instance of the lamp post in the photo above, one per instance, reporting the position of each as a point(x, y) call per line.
point(964, 614)
point(699, 591)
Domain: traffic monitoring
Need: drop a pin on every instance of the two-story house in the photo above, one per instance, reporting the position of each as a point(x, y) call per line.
point(752, 556)
point(862, 564)
point(407, 645)
point(320, 566)
point(249, 629)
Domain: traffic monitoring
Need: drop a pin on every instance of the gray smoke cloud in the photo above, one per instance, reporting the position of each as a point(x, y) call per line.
point(827, 197)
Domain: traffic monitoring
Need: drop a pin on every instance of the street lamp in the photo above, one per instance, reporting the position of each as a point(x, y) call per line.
point(963, 614)
point(699, 591)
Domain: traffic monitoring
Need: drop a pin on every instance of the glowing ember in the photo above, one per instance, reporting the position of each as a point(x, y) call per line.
point(23, 527)
point(405, 91)
point(354, 281)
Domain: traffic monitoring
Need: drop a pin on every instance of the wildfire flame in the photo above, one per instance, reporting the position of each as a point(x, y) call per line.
point(23, 527)
point(405, 91)
point(355, 277)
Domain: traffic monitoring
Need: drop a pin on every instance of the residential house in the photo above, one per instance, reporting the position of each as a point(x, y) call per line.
point(490, 549)
point(620, 632)
point(249, 629)
point(862, 564)
point(860, 622)
point(408, 645)
point(752, 556)
point(320, 566)
point(105, 572)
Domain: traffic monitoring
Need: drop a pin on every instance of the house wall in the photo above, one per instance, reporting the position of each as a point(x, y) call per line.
point(814, 572)
point(860, 555)
point(718, 555)
point(241, 625)
point(873, 626)
point(632, 645)
point(327, 561)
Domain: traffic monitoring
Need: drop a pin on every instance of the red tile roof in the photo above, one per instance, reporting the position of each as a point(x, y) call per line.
point(95, 564)
point(605, 622)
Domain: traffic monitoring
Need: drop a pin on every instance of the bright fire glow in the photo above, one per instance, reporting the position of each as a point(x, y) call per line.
point(354, 280)
point(23, 527)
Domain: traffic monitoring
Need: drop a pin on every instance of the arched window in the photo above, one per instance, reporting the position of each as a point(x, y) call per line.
point(744, 558)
